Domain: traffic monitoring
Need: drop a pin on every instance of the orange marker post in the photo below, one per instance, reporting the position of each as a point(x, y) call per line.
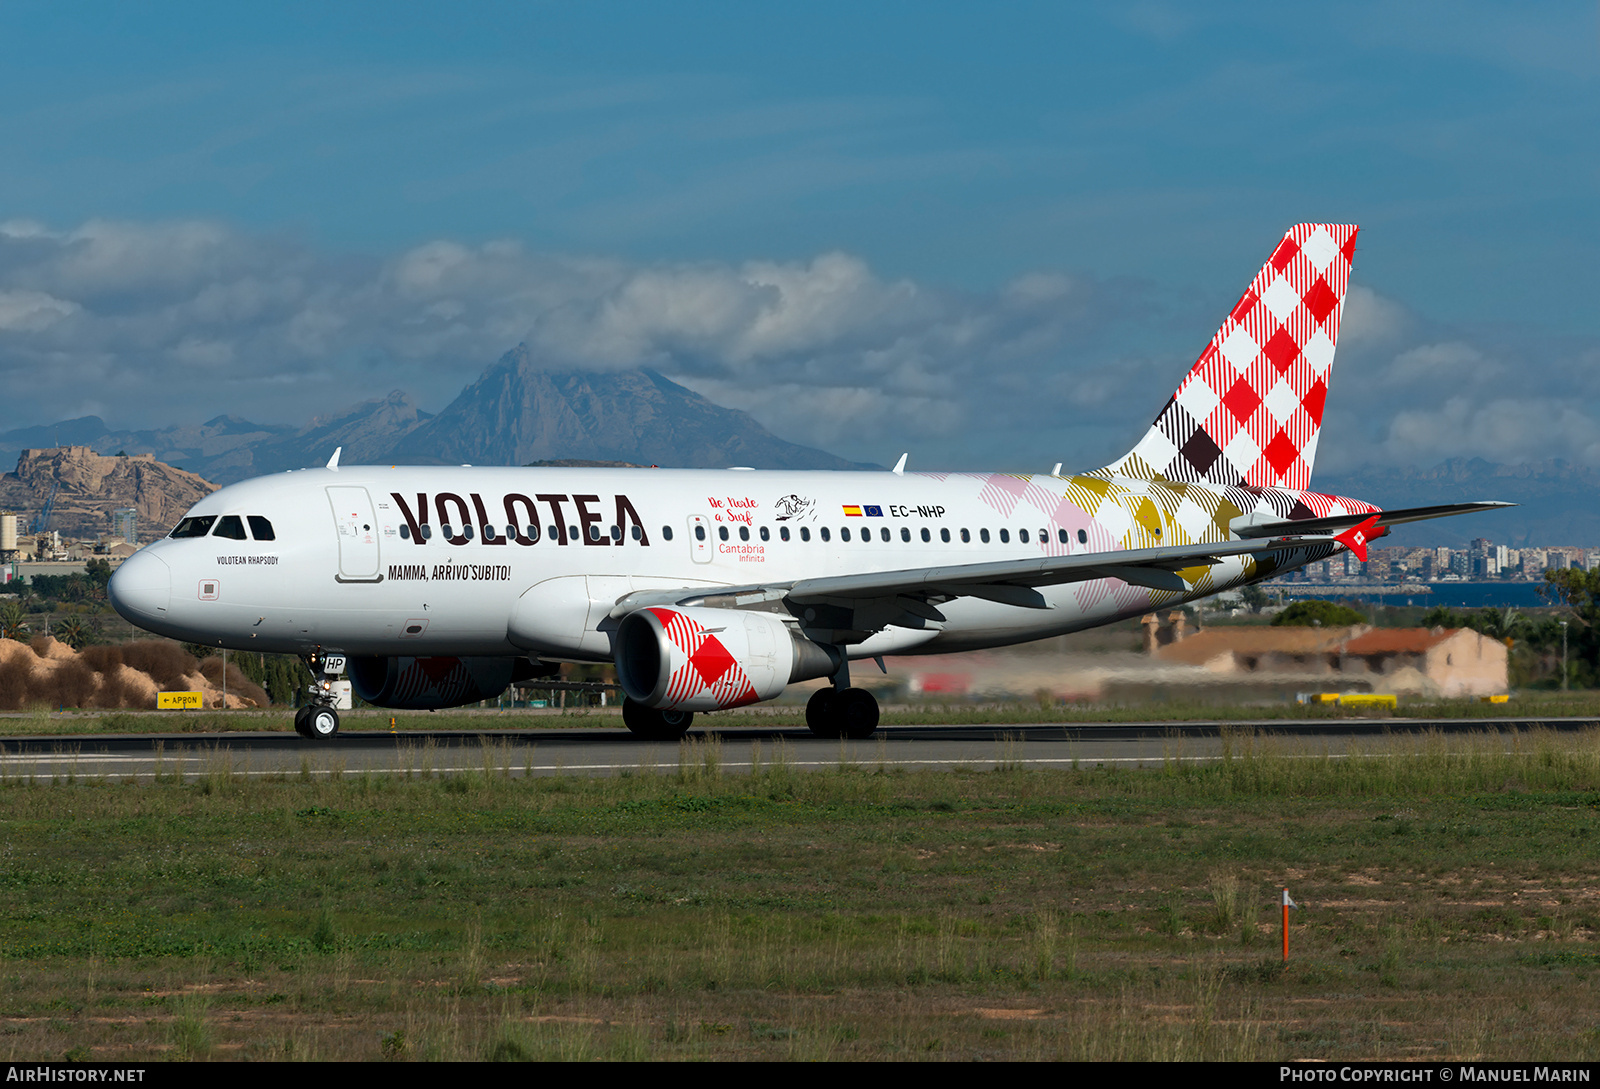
point(1287, 904)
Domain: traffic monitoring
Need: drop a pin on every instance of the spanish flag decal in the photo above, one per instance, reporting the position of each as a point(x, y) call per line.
point(852, 511)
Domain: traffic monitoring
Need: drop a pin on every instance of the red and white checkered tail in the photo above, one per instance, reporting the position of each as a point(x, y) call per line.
point(1249, 410)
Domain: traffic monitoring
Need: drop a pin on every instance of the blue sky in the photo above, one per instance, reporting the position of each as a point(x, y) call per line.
point(994, 236)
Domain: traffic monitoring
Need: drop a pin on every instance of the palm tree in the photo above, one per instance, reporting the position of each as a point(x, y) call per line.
point(1502, 624)
point(13, 622)
point(74, 632)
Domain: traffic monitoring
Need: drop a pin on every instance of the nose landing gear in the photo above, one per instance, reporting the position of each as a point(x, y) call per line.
point(319, 719)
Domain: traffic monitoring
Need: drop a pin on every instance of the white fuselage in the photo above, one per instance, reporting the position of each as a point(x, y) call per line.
point(376, 560)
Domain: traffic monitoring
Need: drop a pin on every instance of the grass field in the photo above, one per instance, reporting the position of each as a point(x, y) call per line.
point(1449, 891)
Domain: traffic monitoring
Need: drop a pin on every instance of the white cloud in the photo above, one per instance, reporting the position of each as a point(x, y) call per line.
point(1446, 367)
point(1369, 318)
point(1050, 366)
point(32, 311)
point(1504, 430)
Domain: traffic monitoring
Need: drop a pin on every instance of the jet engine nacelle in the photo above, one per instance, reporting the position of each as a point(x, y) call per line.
point(692, 659)
point(427, 684)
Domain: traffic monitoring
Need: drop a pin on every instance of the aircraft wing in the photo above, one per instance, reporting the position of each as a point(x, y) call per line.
point(876, 598)
point(1339, 522)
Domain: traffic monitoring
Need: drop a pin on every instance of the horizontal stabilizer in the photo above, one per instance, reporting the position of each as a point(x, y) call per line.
point(1341, 522)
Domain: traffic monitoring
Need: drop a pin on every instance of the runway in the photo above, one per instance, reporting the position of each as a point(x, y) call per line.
point(602, 751)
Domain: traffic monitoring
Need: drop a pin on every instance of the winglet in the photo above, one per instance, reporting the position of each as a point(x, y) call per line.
point(1355, 538)
point(900, 466)
point(333, 462)
point(1057, 470)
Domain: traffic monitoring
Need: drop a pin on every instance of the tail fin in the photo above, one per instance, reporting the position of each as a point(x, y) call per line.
point(1249, 410)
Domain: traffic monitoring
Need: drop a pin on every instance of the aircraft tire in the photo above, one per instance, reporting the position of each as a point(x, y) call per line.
point(654, 725)
point(322, 723)
point(300, 727)
point(855, 710)
point(821, 718)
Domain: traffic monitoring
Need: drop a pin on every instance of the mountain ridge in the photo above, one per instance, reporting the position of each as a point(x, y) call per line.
point(513, 413)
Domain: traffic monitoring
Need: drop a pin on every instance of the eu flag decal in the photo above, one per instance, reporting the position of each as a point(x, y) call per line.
point(872, 511)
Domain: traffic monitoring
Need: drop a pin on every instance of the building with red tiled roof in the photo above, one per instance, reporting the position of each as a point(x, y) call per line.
point(1420, 661)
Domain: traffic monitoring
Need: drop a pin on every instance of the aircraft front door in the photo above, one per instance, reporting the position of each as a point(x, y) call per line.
point(358, 534)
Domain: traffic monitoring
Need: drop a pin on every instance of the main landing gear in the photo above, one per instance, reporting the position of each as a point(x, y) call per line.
point(654, 725)
point(842, 711)
point(318, 720)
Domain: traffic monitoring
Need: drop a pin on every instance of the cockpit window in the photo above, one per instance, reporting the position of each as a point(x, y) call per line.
point(230, 526)
point(194, 527)
point(260, 528)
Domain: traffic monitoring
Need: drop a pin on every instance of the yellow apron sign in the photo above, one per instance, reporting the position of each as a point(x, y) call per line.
point(179, 701)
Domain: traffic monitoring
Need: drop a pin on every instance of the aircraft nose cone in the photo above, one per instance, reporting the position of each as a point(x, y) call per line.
point(141, 589)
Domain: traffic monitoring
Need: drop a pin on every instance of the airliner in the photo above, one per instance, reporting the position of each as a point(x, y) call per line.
point(433, 587)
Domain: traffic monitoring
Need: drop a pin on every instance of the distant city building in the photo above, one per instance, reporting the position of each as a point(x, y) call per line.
point(125, 524)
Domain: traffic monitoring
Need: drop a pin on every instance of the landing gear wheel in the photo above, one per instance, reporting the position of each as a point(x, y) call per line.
point(322, 723)
point(300, 719)
point(821, 717)
point(654, 725)
point(856, 712)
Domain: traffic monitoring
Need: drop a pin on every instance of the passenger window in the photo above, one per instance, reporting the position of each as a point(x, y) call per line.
point(194, 527)
point(844, 534)
point(666, 533)
point(405, 533)
point(1083, 536)
point(805, 533)
point(427, 532)
point(260, 528)
point(765, 536)
point(825, 533)
point(466, 531)
point(722, 531)
point(983, 535)
point(905, 534)
point(783, 533)
point(944, 535)
point(1061, 535)
point(616, 532)
point(1005, 536)
point(1022, 536)
point(446, 527)
point(638, 532)
point(699, 532)
point(744, 533)
point(926, 536)
point(533, 533)
point(572, 532)
point(594, 533)
point(966, 536)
